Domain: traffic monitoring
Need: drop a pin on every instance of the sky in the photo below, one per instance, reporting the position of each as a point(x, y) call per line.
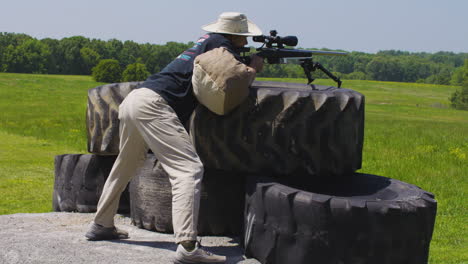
point(352, 25)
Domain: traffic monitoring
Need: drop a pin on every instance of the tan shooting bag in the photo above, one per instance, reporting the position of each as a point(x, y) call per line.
point(220, 82)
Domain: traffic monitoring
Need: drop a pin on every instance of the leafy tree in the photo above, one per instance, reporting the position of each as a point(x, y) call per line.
point(99, 46)
point(393, 52)
point(146, 51)
point(90, 58)
point(457, 76)
point(459, 99)
point(465, 74)
point(54, 63)
point(293, 71)
point(28, 57)
point(8, 58)
point(355, 76)
point(343, 64)
point(14, 39)
point(130, 53)
point(443, 76)
point(135, 72)
point(271, 70)
point(414, 68)
point(444, 57)
point(113, 48)
point(108, 71)
point(384, 69)
point(72, 62)
point(163, 55)
point(360, 61)
point(8, 44)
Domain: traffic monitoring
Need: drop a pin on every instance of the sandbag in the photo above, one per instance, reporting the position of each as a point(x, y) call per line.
point(220, 82)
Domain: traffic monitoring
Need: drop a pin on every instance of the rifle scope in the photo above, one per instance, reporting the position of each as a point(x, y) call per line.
point(275, 39)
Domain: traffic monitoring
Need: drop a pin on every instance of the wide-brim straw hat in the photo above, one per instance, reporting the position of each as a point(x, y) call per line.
point(233, 23)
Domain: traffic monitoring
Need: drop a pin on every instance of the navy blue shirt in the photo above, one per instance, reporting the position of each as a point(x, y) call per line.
point(174, 82)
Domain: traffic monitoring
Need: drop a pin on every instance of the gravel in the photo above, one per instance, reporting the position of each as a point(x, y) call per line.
point(59, 238)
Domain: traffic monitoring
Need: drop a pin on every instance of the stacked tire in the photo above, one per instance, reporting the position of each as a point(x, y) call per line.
point(102, 122)
point(280, 170)
point(300, 147)
point(278, 130)
point(285, 129)
point(79, 178)
point(364, 219)
point(221, 208)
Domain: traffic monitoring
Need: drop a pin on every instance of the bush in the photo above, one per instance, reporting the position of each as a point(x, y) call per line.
point(108, 71)
point(459, 98)
point(457, 76)
point(356, 76)
point(135, 72)
point(441, 78)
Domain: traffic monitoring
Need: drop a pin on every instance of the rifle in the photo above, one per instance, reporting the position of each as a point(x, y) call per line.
point(274, 51)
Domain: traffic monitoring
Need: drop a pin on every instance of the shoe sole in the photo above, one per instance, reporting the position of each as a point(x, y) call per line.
point(180, 262)
point(91, 237)
point(183, 262)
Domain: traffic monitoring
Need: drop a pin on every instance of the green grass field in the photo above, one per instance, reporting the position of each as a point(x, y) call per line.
point(410, 134)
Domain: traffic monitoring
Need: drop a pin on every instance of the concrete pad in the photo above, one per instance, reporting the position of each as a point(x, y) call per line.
point(59, 238)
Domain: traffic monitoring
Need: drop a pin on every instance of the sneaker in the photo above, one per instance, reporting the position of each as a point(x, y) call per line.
point(198, 255)
point(98, 232)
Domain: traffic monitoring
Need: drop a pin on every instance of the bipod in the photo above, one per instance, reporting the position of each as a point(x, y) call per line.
point(309, 66)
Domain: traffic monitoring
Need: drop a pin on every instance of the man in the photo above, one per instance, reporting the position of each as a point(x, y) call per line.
point(152, 117)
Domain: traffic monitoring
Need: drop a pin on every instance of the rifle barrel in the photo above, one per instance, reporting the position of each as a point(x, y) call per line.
point(291, 53)
point(328, 53)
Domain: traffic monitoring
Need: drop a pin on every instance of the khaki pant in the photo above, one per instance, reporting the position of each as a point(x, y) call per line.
point(147, 121)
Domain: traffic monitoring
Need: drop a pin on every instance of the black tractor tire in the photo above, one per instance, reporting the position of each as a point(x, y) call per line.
point(221, 203)
point(79, 179)
point(284, 129)
point(366, 220)
point(102, 116)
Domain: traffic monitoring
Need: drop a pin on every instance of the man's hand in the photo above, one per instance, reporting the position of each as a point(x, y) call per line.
point(256, 62)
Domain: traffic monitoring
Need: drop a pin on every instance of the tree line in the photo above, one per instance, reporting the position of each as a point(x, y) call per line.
point(78, 55)
point(399, 66)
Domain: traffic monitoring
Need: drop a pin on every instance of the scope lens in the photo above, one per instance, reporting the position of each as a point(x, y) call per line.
point(259, 38)
point(289, 40)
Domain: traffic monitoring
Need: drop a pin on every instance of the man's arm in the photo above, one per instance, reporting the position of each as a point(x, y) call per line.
point(256, 63)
